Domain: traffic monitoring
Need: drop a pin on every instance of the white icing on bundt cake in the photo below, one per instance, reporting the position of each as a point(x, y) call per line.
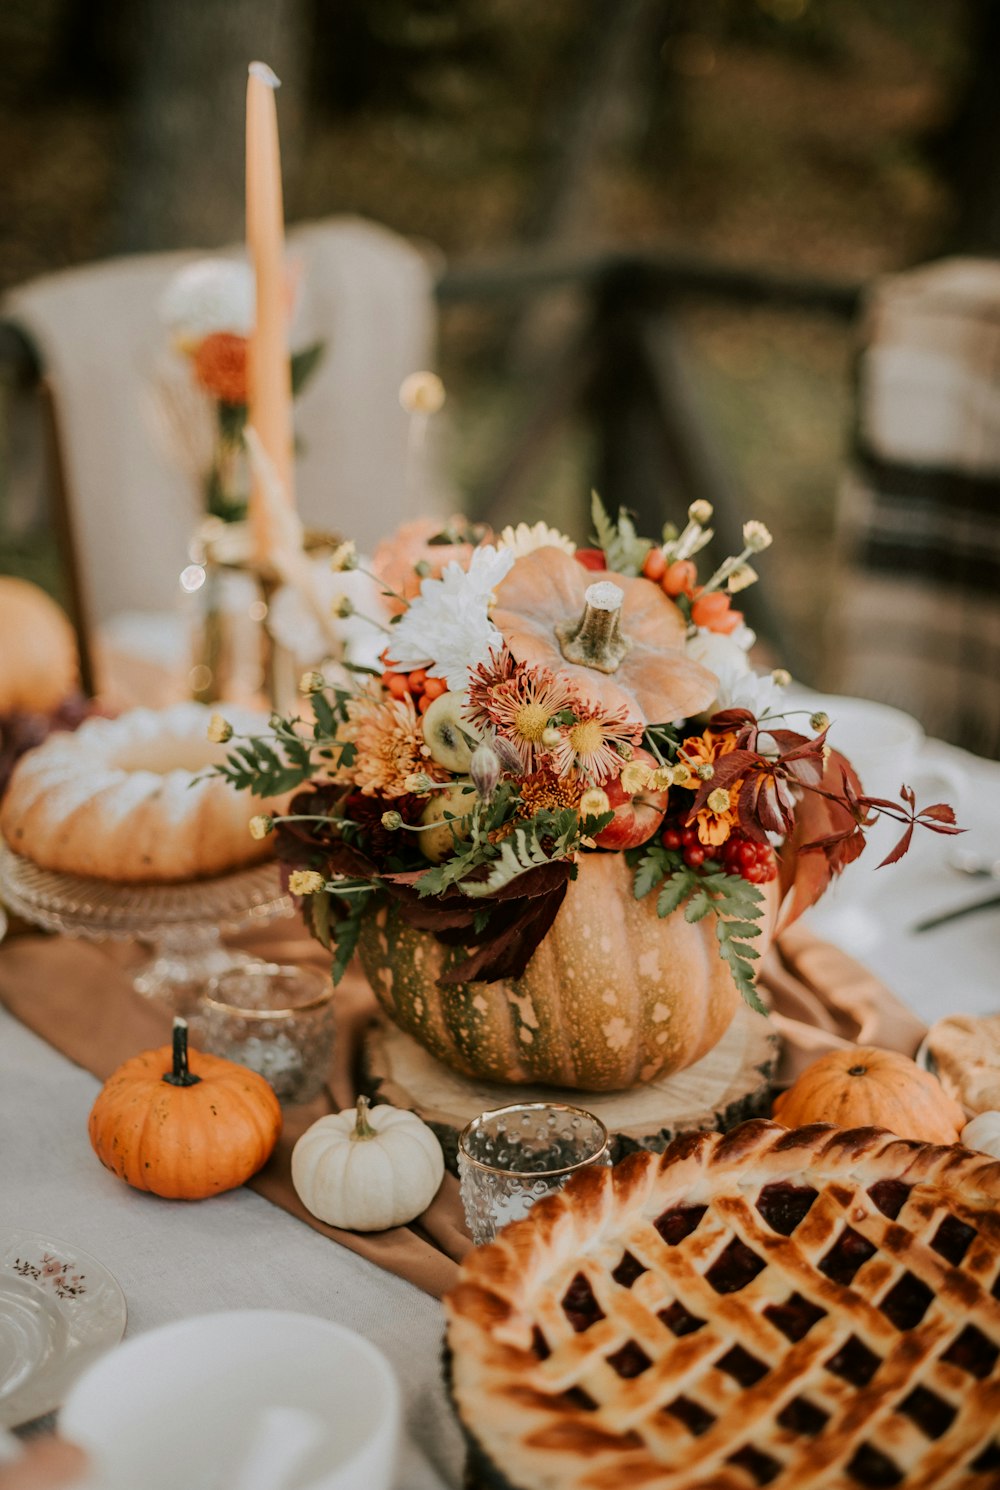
point(128, 800)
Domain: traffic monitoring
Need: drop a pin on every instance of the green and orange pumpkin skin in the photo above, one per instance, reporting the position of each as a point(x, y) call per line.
point(613, 996)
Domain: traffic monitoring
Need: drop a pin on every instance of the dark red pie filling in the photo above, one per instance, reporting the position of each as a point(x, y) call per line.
point(539, 1344)
point(803, 1417)
point(973, 1352)
point(795, 1317)
point(581, 1399)
point(763, 1468)
point(890, 1196)
point(696, 1419)
point(628, 1270)
point(953, 1239)
point(630, 1361)
point(907, 1302)
point(680, 1320)
point(579, 1305)
point(849, 1253)
point(988, 1459)
point(870, 1467)
point(930, 1412)
point(854, 1362)
point(784, 1206)
point(674, 1225)
point(734, 1268)
point(742, 1366)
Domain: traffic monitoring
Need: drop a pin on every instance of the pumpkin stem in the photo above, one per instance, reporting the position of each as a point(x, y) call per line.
point(181, 1075)
point(596, 640)
point(363, 1128)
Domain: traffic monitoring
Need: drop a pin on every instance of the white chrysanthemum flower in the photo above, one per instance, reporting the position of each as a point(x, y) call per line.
point(524, 540)
point(757, 692)
point(210, 295)
point(447, 627)
point(726, 656)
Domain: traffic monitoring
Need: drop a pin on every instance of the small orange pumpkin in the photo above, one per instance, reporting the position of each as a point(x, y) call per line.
point(184, 1127)
point(630, 656)
point(863, 1087)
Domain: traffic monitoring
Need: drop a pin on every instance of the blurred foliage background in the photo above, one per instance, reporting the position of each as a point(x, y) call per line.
point(835, 138)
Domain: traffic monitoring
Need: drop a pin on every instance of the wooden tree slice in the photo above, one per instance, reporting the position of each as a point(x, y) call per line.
point(730, 1084)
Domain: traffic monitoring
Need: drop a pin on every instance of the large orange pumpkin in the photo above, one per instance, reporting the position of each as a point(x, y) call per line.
point(863, 1087)
point(613, 996)
point(38, 656)
point(184, 1126)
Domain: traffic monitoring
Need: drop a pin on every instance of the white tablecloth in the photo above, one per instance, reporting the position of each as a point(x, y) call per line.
point(176, 1259)
point(236, 1251)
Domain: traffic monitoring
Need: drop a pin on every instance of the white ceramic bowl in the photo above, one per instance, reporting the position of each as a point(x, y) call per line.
point(231, 1399)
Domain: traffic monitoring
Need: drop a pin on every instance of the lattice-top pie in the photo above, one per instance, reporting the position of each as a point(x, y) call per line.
point(803, 1309)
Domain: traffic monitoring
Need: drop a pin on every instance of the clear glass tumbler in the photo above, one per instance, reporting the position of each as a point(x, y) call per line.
point(276, 1020)
point(511, 1156)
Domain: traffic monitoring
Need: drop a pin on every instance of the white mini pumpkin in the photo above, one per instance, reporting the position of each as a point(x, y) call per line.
point(983, 1134)
point(368, 1169)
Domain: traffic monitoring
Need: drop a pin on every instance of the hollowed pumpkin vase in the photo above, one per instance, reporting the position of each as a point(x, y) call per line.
point(613, 997)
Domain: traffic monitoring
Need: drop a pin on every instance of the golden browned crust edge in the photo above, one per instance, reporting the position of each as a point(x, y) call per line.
point(483, 1312)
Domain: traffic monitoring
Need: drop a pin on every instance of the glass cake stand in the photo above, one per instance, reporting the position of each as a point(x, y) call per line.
point(184, 924)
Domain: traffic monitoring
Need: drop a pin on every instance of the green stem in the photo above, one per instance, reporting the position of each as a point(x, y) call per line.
point(362, 1128)
point(597, 639)
point(180, 1074)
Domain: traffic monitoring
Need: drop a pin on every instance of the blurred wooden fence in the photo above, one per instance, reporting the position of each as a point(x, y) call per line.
point(623, 367)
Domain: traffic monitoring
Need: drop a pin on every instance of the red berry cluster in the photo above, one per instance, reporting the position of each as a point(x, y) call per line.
point(754, 861)
point(739, 855)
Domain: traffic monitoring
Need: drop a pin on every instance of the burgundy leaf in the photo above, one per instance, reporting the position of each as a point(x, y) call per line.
point(901, 847)
point(730, 719)
point(507, 954)
point(940, 813)
point(792, 744)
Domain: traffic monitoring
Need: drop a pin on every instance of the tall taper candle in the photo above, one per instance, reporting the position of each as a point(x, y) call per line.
point(270, 378)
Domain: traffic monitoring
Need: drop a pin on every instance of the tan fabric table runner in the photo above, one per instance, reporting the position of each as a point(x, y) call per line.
point(78, 998)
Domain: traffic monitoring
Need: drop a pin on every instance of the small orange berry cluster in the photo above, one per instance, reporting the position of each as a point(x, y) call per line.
point(422, 689)
point(713, 611)
point(673, 579)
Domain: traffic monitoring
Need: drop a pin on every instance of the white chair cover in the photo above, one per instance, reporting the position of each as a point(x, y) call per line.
point(364, 291)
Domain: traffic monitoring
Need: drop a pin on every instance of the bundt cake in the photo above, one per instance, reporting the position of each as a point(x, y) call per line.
point(128, 800)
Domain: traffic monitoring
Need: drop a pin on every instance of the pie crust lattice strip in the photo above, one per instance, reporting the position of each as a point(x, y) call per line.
point(805, 1309)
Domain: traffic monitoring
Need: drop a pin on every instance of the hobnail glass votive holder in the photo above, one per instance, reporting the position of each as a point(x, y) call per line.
point(511, 1156)
point(276, 1020)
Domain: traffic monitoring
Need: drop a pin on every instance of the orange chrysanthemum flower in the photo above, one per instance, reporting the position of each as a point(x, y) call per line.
point(220, 366)
point(590, 744)
point(544, 791)
point(518, 702)
point(389, 741)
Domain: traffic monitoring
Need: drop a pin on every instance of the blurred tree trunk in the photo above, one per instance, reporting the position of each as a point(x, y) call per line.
point(605, 116)
point(182, 182)
point(969, 146)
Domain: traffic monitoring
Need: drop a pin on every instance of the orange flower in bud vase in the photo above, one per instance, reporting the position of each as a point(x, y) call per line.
point(220, 366)
point(619, 642)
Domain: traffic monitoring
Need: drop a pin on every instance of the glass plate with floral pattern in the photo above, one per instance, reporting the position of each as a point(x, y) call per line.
point(59, 1310)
